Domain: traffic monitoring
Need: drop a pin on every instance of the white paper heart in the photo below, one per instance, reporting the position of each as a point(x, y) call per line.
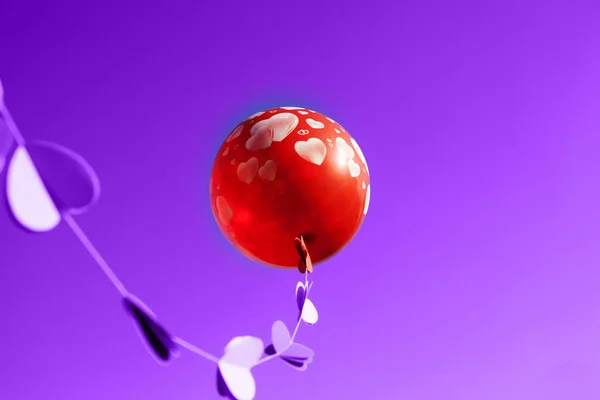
point(281, 124)
point(235, 133)
point(315, 124)
point(354, 168)
point(28, 198)
point(69, 179)
point(246, 171)
point(309, 313)
point(241, 354)
point(344, 148)
point(243, 351)
point(280, 336)
point(313, 150)
point(268, 171)
point(299, 352)
point(239, 381)
point(223, 210)
point(260, 140)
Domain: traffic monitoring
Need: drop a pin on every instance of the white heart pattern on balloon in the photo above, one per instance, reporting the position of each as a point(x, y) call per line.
point(313, 150)
point(268, 171)
point(281, 124)
point(246, 171)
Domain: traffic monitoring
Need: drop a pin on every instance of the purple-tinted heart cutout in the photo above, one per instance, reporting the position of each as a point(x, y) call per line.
point(160, 342)
point(69, 179)
point(222, 387)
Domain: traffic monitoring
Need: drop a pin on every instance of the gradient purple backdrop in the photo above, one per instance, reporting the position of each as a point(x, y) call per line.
point(475, 275)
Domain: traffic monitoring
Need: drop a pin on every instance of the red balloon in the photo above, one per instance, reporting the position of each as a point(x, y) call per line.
point(289, 172)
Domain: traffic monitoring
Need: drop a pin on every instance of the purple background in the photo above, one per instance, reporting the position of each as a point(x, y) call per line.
point(475, 275)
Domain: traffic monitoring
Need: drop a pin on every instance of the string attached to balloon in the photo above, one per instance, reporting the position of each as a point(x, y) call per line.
point(272, 197)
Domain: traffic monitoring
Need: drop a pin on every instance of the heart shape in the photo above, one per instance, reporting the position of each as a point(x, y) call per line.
point(315, 124)
point(358, 151)
point(354, 168)
point(313, 150)
point(246, 171)
point(152, 332)
point(367, 200)
point(235, 376)
point(235, 133)
point(260, 140)
point(344, 148)
point(281, 124)
point(268, 171)
point(223, 210)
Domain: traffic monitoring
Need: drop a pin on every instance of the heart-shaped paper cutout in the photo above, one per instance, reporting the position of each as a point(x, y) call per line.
point(299, 352)
point(315, 124)
point(280, 336)
point(70, 180)
point(281, 124)
point(260, 140)
point(313, 150)
point(241, 354)
point(237, 382)
point(159, 341)
point(246, 171)
point(268, 171)
point(310, 315)
point(344, 148)
point(243, 351)
point(222, 388)
point(300, 295)
point(28, 199)
point(354, 168)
